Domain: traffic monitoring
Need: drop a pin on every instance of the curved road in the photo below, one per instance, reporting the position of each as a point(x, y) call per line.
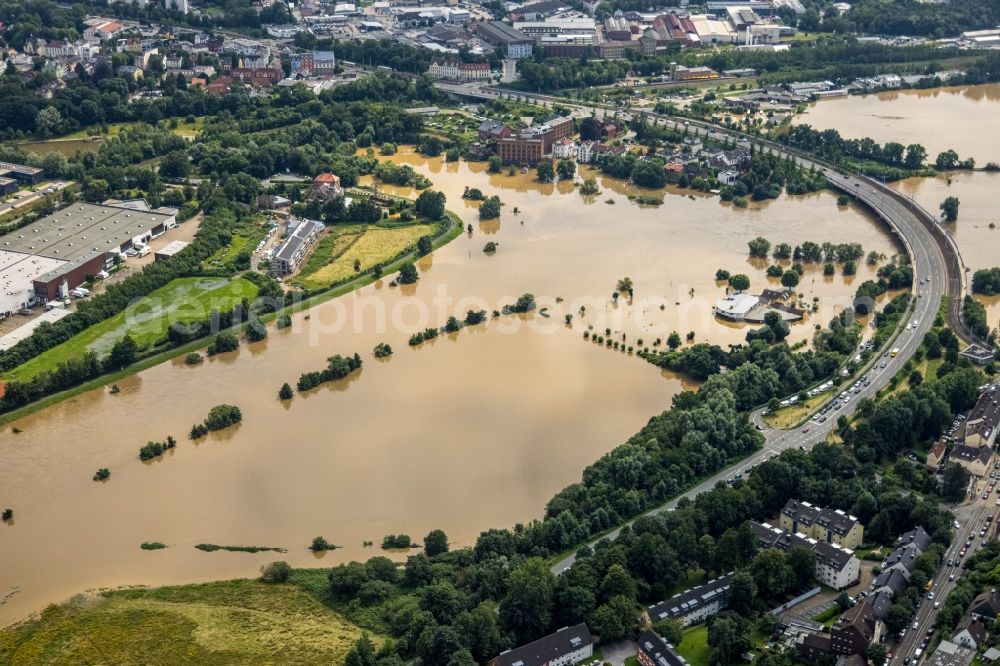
point(938, 271)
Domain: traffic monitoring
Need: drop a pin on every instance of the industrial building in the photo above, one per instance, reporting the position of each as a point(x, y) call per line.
point(498, 33)
point(21, 172)
point(57, 253)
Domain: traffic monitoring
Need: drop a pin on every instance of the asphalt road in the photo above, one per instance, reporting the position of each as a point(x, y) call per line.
point(969, 517)
point(915, 230)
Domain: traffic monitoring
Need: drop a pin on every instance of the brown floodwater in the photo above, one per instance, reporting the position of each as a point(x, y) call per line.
point(474, 430)
point(961, 118)
point(977, 241)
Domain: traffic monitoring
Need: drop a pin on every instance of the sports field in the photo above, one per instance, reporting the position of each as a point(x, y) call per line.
point(182, 301)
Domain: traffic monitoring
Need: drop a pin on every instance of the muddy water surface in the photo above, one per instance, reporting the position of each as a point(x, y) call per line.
point(961, 118)
point(978, 242)
point(471, 431)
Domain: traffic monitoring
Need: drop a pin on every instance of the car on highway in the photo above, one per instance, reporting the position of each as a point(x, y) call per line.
point(915, 625)
point(951, 577)
point(805, 430)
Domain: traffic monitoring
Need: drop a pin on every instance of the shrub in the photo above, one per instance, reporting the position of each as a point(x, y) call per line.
point(452, 325)
point(7, 514)
point(194, 358)
point(275, 572)
point(256, 330)
point(285, 392)
point(284, 321)
point(473, 317)
point(224, 342)
point(396, 541)
point(525, 303)
point(407, 273)
point(382, 350)
point(223, 416)
point(152, 545)
point(198, 430)
point(103, 474)
point(490, 247)
point(337, 367)
point(319, 545)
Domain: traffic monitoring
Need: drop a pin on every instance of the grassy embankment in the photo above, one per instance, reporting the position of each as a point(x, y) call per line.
point(182, 301)
point(225, 622)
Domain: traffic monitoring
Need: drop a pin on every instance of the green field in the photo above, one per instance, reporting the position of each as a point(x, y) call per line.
point(246, 236)
point(182, 301)
point(226, 622)
point(694, 646)
point(332, 261)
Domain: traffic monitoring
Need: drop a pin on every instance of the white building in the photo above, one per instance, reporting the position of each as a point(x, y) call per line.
point(300, 238)
point(564, 148)
point(736, 307)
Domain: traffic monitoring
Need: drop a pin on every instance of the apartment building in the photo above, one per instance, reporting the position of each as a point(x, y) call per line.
point(832, 526)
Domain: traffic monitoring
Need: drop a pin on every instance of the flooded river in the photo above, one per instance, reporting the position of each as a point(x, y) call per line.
point(978, 242)
point(474, 430)
point(961, 118)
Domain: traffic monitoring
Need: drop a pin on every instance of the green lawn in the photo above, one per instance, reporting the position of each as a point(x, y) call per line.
point(183, 300)
point(694, 646)
point(225, 622)
point(246, 236)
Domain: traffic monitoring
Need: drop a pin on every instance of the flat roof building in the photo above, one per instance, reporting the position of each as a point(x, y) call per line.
point(170, 249)
point(57, 253)
point(21, 172)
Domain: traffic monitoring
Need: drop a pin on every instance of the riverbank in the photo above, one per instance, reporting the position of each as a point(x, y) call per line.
point(449, 233)
point(224, 622)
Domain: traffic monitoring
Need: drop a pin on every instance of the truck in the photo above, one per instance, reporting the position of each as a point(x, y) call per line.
point(143, 251)
point(895, 352)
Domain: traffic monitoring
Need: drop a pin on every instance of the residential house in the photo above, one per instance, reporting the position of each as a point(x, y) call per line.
point(492, 130)
point(728, 177)
point(983, 421)
point(130, 72)
point(935, 457)
point(569, 645)
point(564, 148)
point(978, 460)
point(832, 526)
point(652, 650)
point(856, 629)
point(835, 566)
point(326, 186)
point(695, 605)
point(970, 633)
point(986, 606)
point(589, 152)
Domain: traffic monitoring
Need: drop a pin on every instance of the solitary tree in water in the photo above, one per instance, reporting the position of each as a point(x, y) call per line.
point(950, 209)
point(407, 273)
point(286, 392)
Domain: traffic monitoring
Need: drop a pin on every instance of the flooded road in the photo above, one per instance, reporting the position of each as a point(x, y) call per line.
point(960, 118)
point(978, 241)
point(473, 430)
